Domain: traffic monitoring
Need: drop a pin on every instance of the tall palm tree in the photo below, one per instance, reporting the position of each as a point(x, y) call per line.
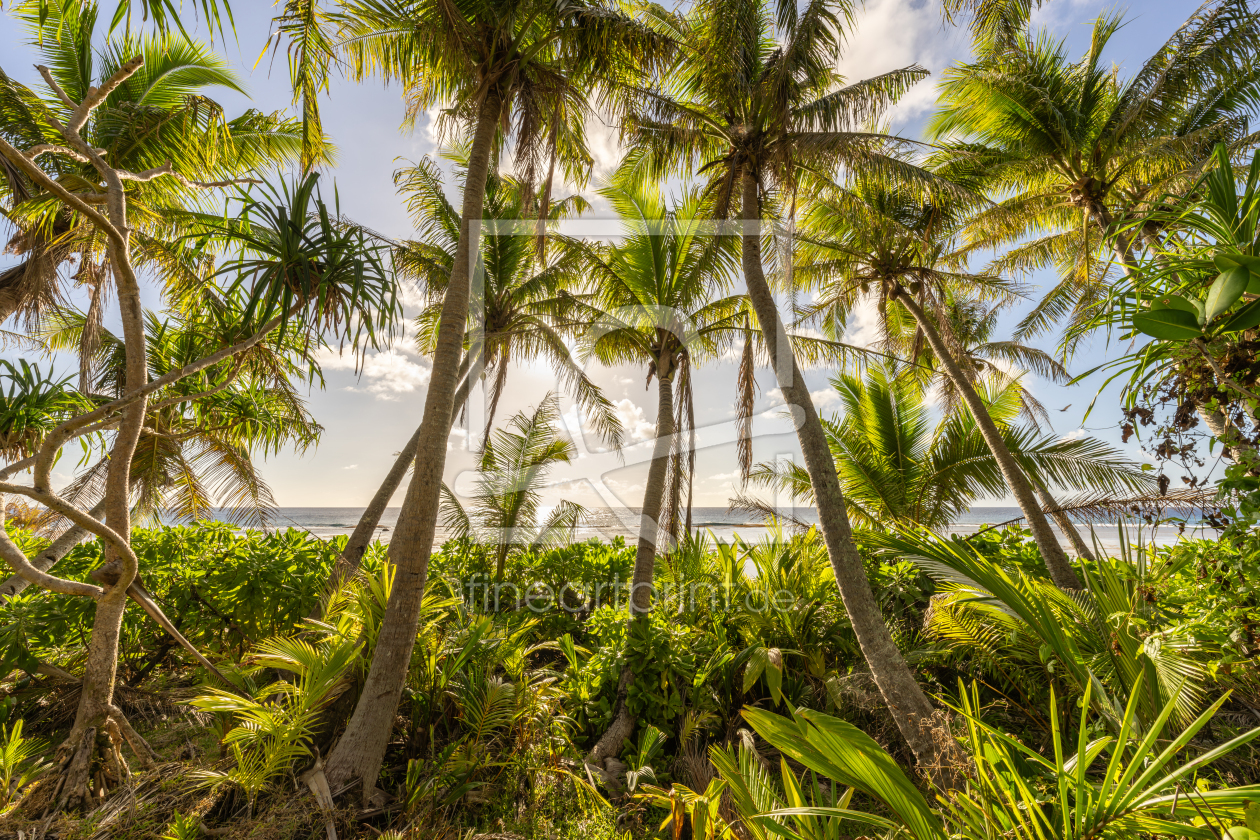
point(754, 101)
point(1075, 153)
point(903, 249)
point(159, 116)
point(897, 467)
point(658, 303)
point(524, 68)
point(525, 308)
point(505, 506)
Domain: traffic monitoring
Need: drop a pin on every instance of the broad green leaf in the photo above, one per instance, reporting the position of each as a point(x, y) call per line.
point(1226, 291)
point(1176, 302)
point(1170, 324)
point(1241, 833)
point(1226, 261)
point(1244, 319)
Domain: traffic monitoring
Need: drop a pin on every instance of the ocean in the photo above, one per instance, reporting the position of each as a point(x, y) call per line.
point(607, 523)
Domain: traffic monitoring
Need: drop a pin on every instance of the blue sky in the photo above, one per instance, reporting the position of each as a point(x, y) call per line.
point(368, 417)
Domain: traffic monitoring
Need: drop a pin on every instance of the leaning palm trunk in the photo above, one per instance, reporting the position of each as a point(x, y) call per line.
point(1065, 523)
point(622, 726)
point(1052, 553)
point(361, 749)
point(908, 705)
point(352, 555)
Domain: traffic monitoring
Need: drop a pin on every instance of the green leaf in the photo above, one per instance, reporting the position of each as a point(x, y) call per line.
point(1177, 302)
point(1227, 290)
point(1244, 319)
point(1171, 324)
point(1240, 833)
point(1227, 261)
point(1251, 816)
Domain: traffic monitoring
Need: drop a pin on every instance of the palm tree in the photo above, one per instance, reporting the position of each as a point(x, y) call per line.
point(505, 505)
point(754, 101)
point(1076, 153)
point(656, 297)
point(525, 308)
point(869, 237)
point(159, 116)
point(897, 468)
point(524, 68)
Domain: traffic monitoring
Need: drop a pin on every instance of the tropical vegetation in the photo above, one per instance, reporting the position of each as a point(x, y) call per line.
point(176, 662)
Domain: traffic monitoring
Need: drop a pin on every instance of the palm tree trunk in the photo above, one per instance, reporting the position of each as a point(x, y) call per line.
point(907, 704)
point(1065, 523)
point(360, 750)
point(622, 726)
point(364, 532)
point(1052, 553)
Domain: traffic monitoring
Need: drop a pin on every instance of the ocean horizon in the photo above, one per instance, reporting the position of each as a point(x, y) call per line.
point(608, 523)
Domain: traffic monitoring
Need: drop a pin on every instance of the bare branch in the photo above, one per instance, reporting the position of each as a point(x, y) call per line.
point(15, 558)
point(95, 95)
point(56, 88)
point(42, 178)
point(168, 169)
point(60, 435)
point(49, 149)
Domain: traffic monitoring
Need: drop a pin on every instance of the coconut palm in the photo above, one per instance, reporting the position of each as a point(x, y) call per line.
point(524, 308)
point(872, 238)
point(659, 307)
point(1075, 153)
point(521, 68)
point(754, 101)
point(504, 511)
point(159, 117)
point(898, 468)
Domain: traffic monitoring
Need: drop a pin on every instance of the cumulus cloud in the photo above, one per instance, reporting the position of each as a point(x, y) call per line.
point(351, 467)
point(386, 374)
point(634, 420)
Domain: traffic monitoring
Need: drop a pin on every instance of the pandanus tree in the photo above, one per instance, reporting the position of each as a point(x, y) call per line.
point(525, 69)
point(160, 118)
point(307, 269)
point(505, 513)
point(872, 238)
point(898, 467)
point(528, 301)
point(753, 102)
point(1074, 152)
point(660, 306)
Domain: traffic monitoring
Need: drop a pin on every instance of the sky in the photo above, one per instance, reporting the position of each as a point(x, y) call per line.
point(368, 415)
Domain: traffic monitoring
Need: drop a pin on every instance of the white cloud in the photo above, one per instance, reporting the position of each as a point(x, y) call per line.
point(633, 419)
point(825, 398)
point(387, 374)
point(351, 467)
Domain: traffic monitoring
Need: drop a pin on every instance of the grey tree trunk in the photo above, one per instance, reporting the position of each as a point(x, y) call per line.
point(908, 705)
point(622, 726)
point(95, 721)
point(1052, 553)
point(361, 748)
point(365, 531)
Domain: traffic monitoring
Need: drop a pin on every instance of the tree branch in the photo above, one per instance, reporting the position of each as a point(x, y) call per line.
point(17, 560)
point(42, 178)
point(60, 435)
